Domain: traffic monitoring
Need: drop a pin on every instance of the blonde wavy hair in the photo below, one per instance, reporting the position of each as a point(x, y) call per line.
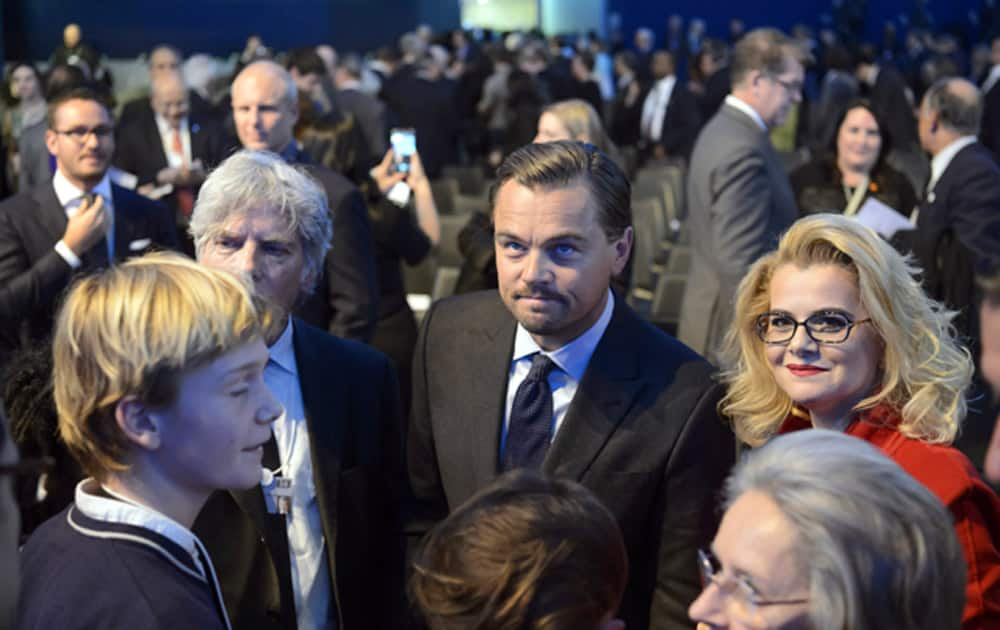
point(135, 330)
point(584, 125)
point(924, 370)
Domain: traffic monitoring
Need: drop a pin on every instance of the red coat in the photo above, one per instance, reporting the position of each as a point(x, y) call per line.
point(950, 475)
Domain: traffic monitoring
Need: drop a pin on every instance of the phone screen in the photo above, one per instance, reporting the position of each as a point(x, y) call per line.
point(404, 144)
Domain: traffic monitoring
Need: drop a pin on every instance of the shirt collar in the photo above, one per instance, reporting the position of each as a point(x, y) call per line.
point(574, 356)
point(115, 508)
point(940, 162)
point(743, 106)
point(66, 192)
point(282, 352)
point(991, 79)
point(666, 82)
point(350, 84)
point(166, 129)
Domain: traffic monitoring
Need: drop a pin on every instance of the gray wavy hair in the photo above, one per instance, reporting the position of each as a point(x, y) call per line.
point(879, 549)
point(255, 179)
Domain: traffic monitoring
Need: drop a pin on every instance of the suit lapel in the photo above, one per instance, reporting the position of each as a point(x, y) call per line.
point(320, 393)
point(486, 393)
point(606, 394)
point(51, 214)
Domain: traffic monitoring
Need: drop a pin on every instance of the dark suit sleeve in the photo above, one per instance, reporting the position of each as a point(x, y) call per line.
point(350, 269)
point(427, 503)
point(25, 287)
point(700, 461)
point(974, 210)
point(681, 124)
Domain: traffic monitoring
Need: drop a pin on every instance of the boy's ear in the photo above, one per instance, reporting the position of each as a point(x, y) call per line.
point(139, 424)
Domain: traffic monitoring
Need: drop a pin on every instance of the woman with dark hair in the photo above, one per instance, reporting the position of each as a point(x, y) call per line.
point(853, 169)
point(27, 108)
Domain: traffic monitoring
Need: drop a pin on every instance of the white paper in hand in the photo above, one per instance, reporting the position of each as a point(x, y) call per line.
point(882, 218)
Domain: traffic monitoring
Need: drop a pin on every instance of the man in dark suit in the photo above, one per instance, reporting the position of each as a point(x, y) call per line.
point(172, 148)
point(76, 222)
point(670, 118)
point(368, 111)
point(326, 553)
point(559, 374)
point(265, 109)
point(958, 224)
point(739, 197)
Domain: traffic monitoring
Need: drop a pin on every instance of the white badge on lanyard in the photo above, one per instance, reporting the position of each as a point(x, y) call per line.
point(279, 490)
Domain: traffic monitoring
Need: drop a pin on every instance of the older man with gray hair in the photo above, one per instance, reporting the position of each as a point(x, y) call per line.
point(316, 546)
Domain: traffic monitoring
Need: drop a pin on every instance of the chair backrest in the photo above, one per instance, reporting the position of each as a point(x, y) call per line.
point(447, 249)
point(649, 228)
point(444, 282)
point(444, 191)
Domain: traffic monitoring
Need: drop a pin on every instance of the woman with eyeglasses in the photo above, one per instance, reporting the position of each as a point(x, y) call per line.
point(833, 331)
point(824, 532)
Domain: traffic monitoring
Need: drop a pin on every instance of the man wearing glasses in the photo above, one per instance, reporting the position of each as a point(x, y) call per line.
point(77, 222)
point(738, 195)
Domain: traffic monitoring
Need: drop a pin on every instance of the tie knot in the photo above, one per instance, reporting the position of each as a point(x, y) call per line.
point(541, 365)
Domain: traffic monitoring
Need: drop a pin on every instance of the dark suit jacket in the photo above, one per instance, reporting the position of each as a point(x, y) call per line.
point(33, 275)
point(641, 432)
point(681, 123)
point(139, 148)
point(989, 133)
point(352, 413)
point(345, 300)
point(958, 227)
point(431, 108)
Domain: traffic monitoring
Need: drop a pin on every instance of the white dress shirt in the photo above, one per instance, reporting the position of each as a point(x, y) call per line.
point(306, 544)
point(940, 162)
point(655, 106)
point(991, 79)
point(175, 159)
point(744, 107)
point(70, 197)
point(571, 361)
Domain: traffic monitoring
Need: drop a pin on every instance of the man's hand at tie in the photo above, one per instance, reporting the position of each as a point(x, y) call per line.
point(87, 226)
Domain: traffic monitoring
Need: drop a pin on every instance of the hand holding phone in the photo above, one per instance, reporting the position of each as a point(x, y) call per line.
point(404, 145)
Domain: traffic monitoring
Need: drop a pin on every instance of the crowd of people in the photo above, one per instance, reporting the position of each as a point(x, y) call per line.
point(224, 411)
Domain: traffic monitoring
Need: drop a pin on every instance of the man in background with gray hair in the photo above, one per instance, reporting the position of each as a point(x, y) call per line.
point(317, 545)
point(958, 224)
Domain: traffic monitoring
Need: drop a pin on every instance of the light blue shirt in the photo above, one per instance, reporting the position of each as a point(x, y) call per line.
point(571, 362)
point(306, 544)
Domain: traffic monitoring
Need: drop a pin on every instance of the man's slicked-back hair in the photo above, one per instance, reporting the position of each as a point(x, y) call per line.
point(553, 165)
point(764, 49)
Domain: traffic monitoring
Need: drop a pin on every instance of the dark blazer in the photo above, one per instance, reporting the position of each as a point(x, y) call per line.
point(345, 300)
point(33, 275)
point(989, 133)
point(641, 432)
point(681, 122)
point(139, 147)
point(958, 227)
point(352, 413)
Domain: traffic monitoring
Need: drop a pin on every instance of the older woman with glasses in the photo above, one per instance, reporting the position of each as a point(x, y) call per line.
point(822, 531)
point(833, 331)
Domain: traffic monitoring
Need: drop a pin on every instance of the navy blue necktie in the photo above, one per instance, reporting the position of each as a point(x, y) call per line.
point(530, 428)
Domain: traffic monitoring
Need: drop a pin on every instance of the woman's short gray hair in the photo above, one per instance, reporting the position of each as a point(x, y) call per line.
point(880, 550)
point(261, 179)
